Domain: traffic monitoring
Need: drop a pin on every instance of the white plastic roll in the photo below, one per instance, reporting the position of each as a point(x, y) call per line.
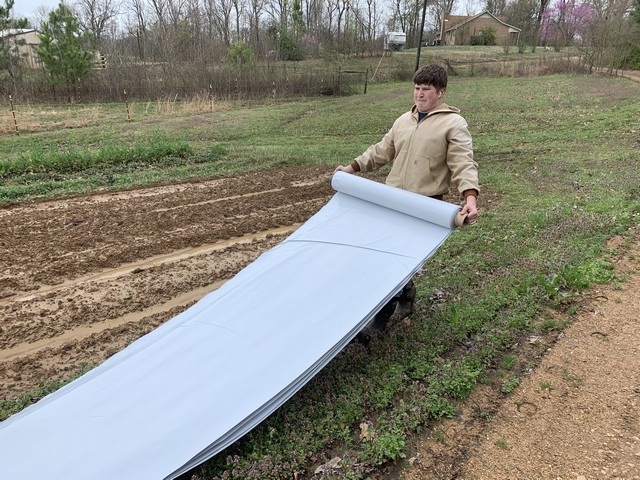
point(410, 203)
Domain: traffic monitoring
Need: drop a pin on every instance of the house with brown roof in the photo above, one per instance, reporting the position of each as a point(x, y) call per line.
point(458, 29)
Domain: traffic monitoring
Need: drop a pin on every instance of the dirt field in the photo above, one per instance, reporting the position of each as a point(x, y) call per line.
point(84, 277)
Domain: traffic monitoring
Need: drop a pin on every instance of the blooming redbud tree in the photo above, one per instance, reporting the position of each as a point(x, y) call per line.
point(565, 22)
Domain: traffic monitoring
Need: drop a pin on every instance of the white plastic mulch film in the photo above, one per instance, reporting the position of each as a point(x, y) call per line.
point(187, 390)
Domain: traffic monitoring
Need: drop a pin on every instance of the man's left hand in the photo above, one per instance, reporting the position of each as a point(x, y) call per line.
point(470, 209)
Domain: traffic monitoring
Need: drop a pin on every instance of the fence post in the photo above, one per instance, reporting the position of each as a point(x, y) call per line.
point(210, 97)
point(366, 80)
point(13, 112)
point(126, 102)
point(160, 100)
point(286, 79)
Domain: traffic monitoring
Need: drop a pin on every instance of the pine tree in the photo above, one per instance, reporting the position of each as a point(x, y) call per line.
point(65, 50)
point(9, 56)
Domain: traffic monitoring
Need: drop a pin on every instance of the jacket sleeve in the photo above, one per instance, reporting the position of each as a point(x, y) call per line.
point(379, 154)
point(463, 168)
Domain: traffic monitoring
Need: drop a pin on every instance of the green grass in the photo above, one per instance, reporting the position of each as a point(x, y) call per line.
point(503, 444)
point(558, 160)
point(545, 385)
point(510, 384)
point(11, 406)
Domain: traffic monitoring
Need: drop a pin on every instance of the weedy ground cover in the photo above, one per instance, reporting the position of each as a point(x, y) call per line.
point(558, 160)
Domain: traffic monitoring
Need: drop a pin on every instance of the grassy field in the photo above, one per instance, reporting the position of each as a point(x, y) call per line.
point(558, 160)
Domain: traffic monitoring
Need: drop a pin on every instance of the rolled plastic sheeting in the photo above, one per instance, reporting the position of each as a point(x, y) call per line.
point(184, 392)
point(410, 203)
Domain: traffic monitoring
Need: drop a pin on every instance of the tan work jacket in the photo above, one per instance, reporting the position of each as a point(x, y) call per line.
point(428, 156)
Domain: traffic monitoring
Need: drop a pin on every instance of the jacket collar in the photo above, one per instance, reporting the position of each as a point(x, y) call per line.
point(440, 108)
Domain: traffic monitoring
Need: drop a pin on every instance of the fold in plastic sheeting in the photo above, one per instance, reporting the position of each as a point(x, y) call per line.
point(193, 386)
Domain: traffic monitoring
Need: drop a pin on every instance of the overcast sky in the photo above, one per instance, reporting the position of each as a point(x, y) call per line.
point(26, 8)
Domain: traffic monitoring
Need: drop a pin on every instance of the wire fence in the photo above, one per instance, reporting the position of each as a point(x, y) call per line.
point(146, 90)
point(183, 88)
point(152, 81)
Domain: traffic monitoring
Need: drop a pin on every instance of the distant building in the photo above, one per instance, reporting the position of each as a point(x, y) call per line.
point(458, 30)
point(395, 41)
point(26, 40)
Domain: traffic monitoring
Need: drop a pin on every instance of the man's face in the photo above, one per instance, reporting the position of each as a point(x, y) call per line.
point(426, 97)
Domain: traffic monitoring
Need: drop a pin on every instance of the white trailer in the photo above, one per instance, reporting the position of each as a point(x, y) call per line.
point(395, 41)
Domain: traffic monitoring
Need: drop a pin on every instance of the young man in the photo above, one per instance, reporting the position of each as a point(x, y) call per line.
point(431, 149)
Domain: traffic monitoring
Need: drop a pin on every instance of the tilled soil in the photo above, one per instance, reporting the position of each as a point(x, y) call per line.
point(83, 277)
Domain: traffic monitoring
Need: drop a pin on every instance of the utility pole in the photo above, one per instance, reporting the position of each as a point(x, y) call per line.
point(424, 11)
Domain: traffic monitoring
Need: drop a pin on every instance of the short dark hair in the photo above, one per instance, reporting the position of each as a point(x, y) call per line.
point(433, 75)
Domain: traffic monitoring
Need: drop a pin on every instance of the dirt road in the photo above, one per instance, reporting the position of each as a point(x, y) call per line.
point(575, 416)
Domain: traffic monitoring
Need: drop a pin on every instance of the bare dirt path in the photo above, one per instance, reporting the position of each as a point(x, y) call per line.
point(81, 278)
point(575, 416)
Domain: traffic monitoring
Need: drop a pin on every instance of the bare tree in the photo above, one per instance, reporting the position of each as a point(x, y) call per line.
point(497, 7)
point(341, 8)
point(314, 15)
point(446, 6)
point(365, 22)
point(398, 18)
point(372, 17)
point(612, 35)
point(255, 8)
point(218, 14)
point(96, 15)
point(278, 10)
point(167, 15)
point(238, 7)
point(176, 10)
point(542, 7)
point(137, 25)
point(331, 12)
point(439, 10)
point(407, 14)
point(523, 14)
point(40, 16)
point(192, 31)
point(159, 8)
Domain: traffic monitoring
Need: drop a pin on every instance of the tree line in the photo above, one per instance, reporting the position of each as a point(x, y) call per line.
point(190, 37)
